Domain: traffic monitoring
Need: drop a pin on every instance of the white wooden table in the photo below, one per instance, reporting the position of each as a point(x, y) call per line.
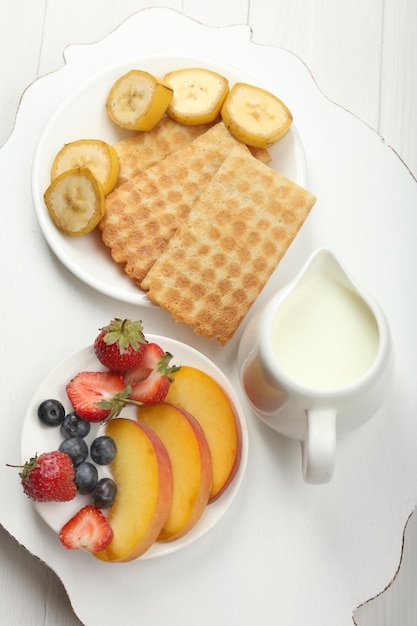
point(363, 56)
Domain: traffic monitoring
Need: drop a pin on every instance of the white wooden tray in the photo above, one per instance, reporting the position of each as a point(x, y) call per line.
point(285, 552)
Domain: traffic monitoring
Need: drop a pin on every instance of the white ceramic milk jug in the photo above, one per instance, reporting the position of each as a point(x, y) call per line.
point(316, 361)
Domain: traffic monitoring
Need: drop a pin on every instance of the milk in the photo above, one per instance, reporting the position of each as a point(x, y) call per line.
point(324, 335)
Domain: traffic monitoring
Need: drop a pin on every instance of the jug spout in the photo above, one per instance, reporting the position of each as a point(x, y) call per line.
point(324, 263)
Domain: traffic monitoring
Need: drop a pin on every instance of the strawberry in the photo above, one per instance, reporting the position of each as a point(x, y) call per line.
point(49, 477)
point(120, 345)
point(97, 396)
point(150, 380)
point(87, 530)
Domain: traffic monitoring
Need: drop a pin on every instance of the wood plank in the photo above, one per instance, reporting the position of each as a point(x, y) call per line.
point(398, 119)
point(398, 603)
point(21, 31)
point(22, 576)
point(84, 22)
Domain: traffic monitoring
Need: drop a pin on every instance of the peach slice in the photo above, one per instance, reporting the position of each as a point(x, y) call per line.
point(142, 471)
point(188, 450)
point(199, 394)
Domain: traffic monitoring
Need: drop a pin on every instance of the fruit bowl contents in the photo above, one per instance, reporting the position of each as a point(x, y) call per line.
point(148, 472)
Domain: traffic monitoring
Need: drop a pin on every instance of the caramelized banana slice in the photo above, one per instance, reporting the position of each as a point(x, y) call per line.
point(138, 100)
point(198, 95)
point(255, 116)
point(100, 157)
point(75, 201)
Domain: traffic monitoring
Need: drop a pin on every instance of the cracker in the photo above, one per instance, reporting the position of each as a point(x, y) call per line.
point(141, 150)
point(143, 213)
point(219, 260)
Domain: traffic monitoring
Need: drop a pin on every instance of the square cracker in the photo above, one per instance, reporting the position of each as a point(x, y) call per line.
point(141, 150)
point(142, 214)
point(219, 260)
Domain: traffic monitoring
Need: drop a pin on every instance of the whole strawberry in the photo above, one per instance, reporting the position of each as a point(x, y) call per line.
point(120, 345)
point(49, 477)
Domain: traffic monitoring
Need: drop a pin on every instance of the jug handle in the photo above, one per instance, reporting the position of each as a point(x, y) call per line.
point(319, 446)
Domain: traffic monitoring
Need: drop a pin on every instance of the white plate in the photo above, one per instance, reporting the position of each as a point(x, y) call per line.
point(83, 115)
point(37, 438)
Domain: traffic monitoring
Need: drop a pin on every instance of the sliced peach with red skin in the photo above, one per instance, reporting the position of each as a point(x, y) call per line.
point(199, 394)
point(142, 471)
point(188, 450)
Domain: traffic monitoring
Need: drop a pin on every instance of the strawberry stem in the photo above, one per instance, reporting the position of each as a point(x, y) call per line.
point(125, 333)
point(116, 404)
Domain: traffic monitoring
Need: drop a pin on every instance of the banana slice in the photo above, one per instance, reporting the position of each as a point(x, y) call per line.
point(75, 201)
point(138, 100)
point(198, 97)
point(100, 157)
point(255, 116)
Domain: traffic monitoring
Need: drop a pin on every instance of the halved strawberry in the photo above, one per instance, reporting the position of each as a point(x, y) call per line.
point(120, 345)
point(87, 530)
point(97, 396)
point(49, 477)
point(150, 380)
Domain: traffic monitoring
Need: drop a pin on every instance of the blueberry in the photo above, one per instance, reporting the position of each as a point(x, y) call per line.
point(76, 448)
point(86, 477)
point(74, 426)
point(104, 493)
point(103, 450)
point(51, 412)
